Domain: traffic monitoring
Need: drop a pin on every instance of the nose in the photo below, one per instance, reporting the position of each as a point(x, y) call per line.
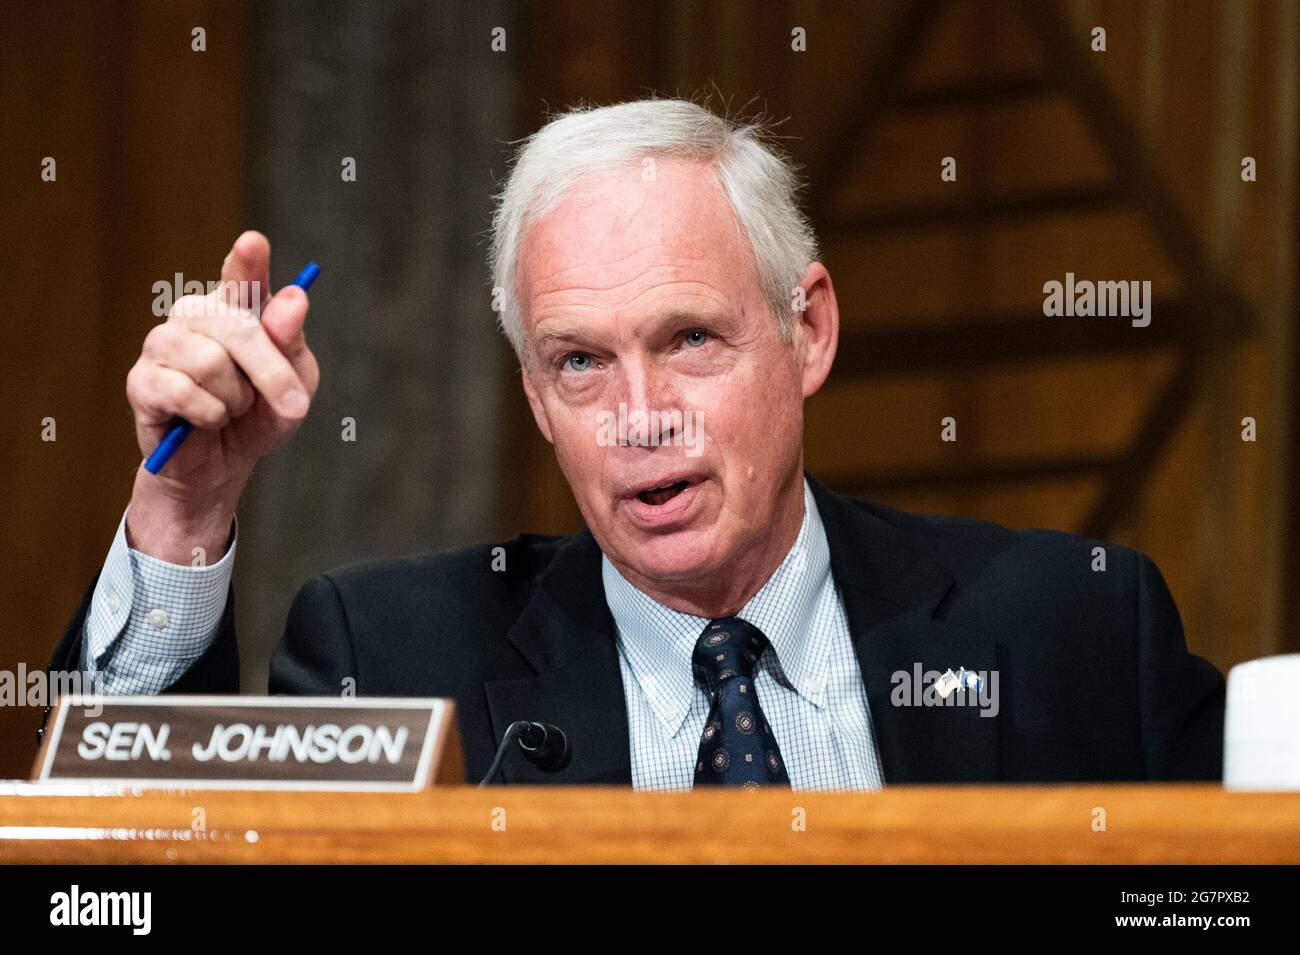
point(648, 388)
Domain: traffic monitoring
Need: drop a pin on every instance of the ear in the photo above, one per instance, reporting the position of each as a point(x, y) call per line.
point(817, 328)
point(534, 402)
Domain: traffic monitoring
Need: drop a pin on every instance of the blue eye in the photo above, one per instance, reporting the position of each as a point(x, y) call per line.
point(577, 362)
point(695, 338)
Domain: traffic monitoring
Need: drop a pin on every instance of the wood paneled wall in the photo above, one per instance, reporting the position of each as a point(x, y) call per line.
point(148, 144)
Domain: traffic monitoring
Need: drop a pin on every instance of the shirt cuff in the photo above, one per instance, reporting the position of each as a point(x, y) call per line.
point(153, 608)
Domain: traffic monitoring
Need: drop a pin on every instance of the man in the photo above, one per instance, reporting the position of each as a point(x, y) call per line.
point(722, 618)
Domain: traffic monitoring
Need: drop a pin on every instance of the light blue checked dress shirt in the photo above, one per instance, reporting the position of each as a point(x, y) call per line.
point(808, 680)
point(149, 620)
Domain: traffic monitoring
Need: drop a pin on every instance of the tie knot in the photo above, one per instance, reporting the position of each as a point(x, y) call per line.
point(727, 648)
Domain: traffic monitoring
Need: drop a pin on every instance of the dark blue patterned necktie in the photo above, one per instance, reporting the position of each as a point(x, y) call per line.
point(737, 747)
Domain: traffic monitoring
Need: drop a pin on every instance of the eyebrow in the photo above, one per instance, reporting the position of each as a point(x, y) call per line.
point(675, 317)
point(551, 336)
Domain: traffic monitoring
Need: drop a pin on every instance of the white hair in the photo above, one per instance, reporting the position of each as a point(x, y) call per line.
point(760, 183)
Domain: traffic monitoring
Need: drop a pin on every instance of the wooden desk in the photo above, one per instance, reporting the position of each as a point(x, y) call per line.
point(1001, 824)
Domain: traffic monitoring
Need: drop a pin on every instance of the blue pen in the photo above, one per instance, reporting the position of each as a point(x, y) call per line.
point(180, 429)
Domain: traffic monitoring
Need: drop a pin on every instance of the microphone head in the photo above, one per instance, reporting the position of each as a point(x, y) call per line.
point(546, 747)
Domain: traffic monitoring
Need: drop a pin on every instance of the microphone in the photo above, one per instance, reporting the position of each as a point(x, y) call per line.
point(543, 744)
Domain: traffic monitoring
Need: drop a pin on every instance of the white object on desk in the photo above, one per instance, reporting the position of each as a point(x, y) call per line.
point(1261, 738)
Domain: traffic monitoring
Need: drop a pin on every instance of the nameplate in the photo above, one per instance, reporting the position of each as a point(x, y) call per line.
point(253, 742)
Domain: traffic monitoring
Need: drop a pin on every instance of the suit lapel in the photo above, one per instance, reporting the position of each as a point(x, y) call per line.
point(891, 591)
point(568, 636)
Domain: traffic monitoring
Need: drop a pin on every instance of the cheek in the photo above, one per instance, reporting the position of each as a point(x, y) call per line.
point(759, 437)
point(574, 433)
point(744, 404)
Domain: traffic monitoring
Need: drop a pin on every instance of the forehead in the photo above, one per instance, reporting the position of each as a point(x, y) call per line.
point(619, 232)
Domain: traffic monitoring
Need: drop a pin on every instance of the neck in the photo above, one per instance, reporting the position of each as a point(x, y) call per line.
point(724, 592)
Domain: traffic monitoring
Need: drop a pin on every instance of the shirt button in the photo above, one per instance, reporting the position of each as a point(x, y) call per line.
point(114, 602)
point(157, 619)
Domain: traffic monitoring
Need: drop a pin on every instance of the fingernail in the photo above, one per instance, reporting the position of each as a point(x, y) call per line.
point(294, 403)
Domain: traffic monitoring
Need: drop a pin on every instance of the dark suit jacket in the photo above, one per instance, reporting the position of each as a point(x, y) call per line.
point(1095, 681)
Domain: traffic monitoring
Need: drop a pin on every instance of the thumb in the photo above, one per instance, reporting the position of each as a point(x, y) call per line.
point(282, 320)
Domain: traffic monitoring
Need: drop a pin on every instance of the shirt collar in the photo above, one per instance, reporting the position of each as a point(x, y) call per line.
point(658, 642)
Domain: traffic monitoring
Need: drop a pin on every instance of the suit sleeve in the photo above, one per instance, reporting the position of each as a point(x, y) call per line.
point(1181, 696)
point(315, 657)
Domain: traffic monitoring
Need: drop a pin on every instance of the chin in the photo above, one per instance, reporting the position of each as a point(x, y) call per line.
point(685, 555)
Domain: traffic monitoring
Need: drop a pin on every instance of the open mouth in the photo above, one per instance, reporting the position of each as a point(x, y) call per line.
point(656, 496)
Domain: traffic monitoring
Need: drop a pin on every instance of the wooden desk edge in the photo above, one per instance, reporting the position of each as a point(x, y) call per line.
point(1155, 823)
